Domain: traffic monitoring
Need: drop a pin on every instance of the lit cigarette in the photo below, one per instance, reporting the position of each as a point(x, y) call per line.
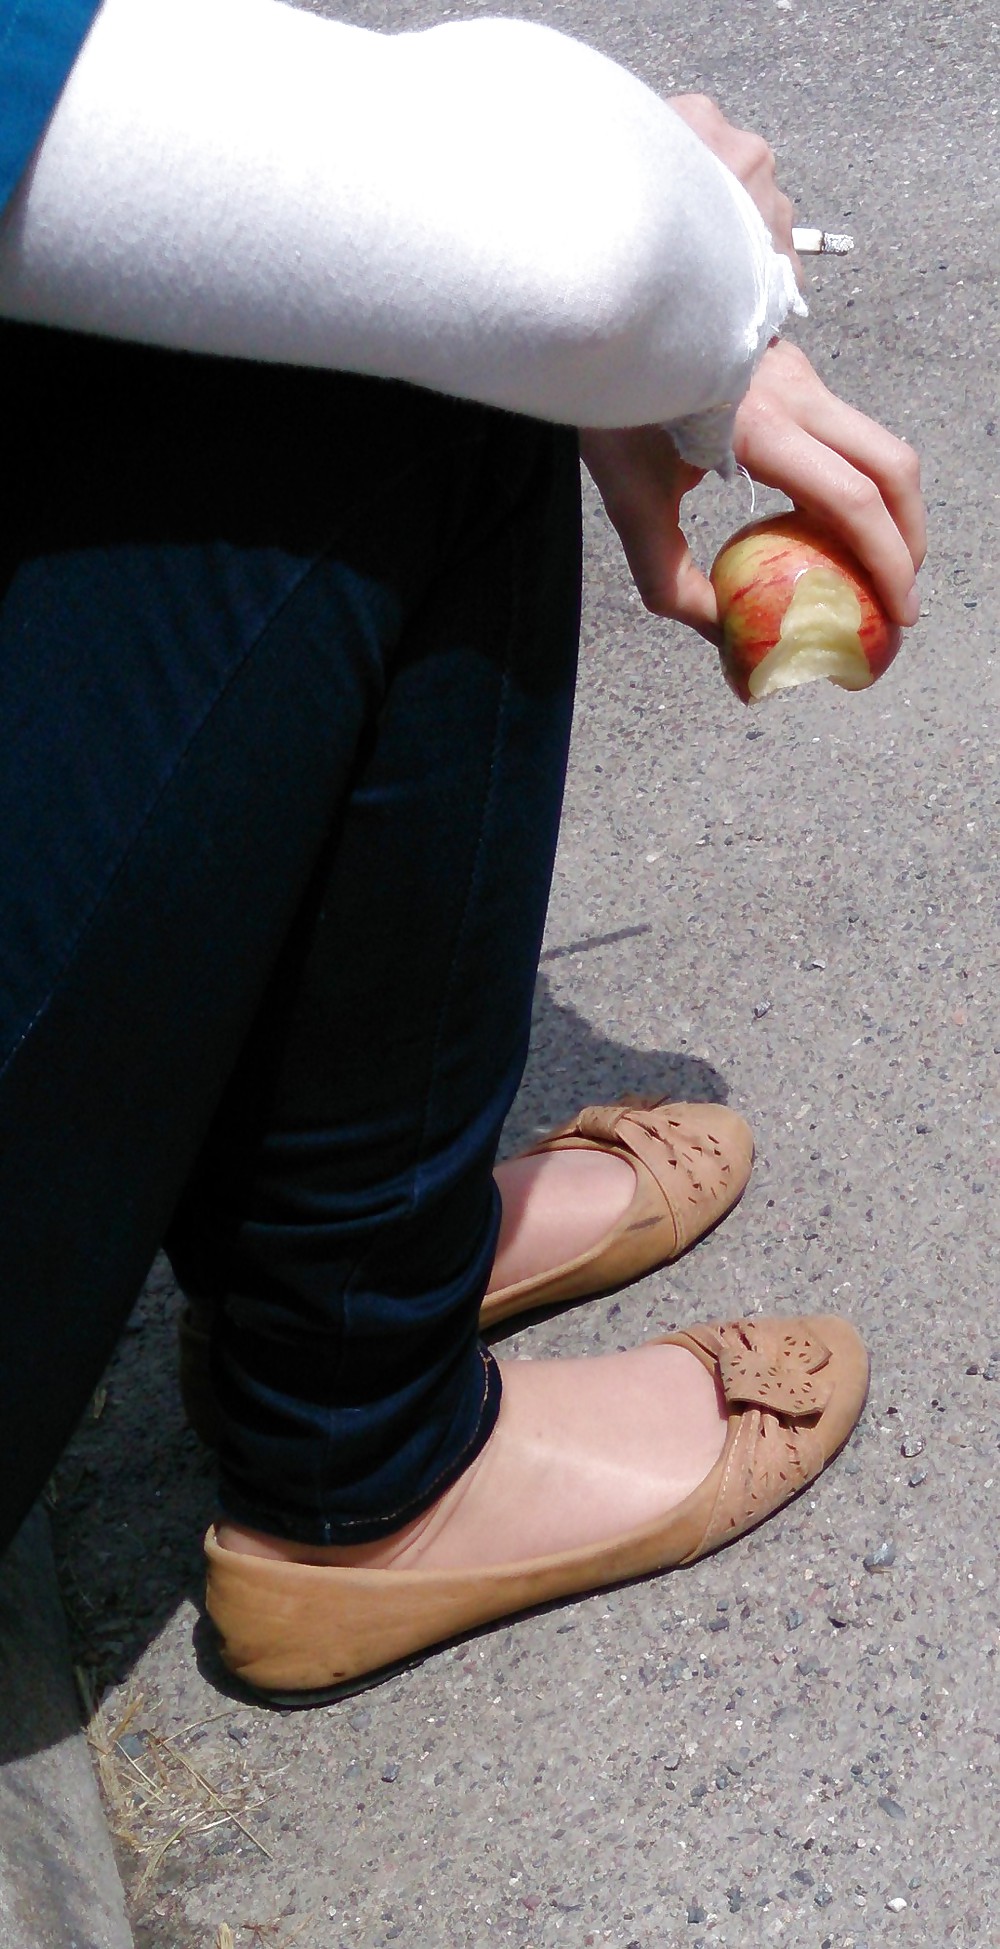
point(822, 243)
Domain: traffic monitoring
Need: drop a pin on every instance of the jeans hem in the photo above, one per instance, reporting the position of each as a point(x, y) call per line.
point(319, 1530)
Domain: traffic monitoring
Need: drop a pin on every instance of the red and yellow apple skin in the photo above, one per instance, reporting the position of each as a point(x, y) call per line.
point(795, 605)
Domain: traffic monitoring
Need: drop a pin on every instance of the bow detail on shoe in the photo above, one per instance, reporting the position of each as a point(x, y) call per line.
point(690, 1162)
point(644, 1126)
point(774, 1376)
point(765, 1364)
point(602, 1122)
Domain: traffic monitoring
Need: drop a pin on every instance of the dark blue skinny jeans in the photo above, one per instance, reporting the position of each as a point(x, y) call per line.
point(286, 675)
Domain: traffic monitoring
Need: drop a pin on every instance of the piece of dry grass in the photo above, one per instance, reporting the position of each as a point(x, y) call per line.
point(272, 1935)
point(155, 1801)
point(264, 1935)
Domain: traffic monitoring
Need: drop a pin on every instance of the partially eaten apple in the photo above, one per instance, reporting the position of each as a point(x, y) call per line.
point(796, 605)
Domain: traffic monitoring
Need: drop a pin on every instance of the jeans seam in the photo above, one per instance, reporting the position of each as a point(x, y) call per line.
point(487, 802)
point(489, 794)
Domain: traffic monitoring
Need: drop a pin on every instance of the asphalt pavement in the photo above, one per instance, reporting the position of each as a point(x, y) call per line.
point(794, 910)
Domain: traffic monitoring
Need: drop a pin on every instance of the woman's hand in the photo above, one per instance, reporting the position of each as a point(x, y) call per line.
point(747, 157)
point(791, 433)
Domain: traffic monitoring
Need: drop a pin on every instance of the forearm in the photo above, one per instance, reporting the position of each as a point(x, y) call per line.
point(486, 208)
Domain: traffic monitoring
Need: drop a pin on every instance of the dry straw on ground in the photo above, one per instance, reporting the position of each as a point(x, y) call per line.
point(161, 1798)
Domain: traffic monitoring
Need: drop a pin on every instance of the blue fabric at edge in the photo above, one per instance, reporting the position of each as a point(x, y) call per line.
point(39, 41)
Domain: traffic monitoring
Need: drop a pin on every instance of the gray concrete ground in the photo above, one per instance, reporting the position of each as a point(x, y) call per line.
point(794, 910)
point(59, 1886)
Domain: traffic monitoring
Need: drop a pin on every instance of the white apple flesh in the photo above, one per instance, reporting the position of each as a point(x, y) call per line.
point(795, 605)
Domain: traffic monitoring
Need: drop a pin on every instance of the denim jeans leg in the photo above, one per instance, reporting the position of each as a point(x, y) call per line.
point(345, 1202)
point(213, 597)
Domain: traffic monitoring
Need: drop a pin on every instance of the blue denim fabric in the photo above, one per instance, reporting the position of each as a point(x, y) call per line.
point(39, 42)
point(286, 675)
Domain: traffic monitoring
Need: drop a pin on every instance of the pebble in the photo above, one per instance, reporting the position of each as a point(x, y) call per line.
point(882, 1557)
point(131, 1745)
point(718, 1624)
point(916, 1478)
point(991, 1372)
point(390, 1771)
point(794, 1620)
point(823, 1897)
point(891, 1807)
point(897, 1904)
point(913, 1445)
point(761, 1009)
point(696, 1913)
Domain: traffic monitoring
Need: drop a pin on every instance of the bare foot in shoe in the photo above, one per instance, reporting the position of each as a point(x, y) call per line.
point(583, 1450)
point(555, 1207)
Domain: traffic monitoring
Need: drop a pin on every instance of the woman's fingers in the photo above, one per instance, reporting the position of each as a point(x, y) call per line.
point(787, 376)
point(886, 460)
point(829, 487)
point(791, 433)
point(794, 434)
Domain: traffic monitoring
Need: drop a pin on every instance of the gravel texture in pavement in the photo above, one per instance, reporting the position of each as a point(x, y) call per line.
point(792, 909)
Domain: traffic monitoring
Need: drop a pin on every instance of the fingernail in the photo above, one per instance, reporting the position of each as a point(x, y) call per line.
point(911, 607)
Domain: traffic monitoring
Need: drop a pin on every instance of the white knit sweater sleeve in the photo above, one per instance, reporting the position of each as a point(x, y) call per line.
point(487, 208)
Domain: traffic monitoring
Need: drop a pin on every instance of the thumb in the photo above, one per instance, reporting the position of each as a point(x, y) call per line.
point(673, 585)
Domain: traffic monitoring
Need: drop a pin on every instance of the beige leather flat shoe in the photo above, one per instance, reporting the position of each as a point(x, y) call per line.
point(304, 1634)
point(691, 1162)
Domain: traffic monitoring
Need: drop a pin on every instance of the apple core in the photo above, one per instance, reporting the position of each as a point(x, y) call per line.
point(820, 637)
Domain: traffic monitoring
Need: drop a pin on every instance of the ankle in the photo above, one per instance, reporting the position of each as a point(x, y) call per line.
point(582, 1450)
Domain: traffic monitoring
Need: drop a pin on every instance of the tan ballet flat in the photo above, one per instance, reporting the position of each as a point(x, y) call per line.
point(304, 1634)
point(691, 1162)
